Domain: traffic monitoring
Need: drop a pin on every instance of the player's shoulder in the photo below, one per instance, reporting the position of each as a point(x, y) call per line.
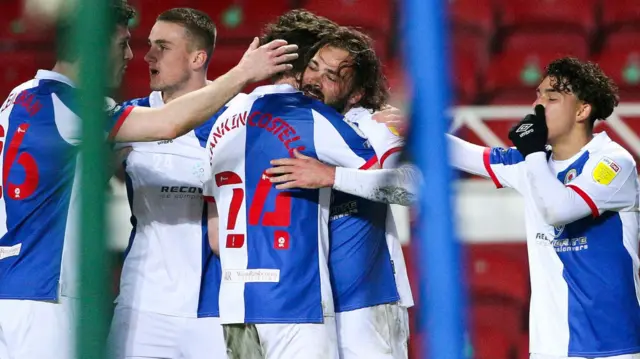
point(359, 115)
point(139, 102)
point(610, 152)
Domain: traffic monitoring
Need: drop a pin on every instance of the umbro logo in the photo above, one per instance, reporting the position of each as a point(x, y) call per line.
point(524, 127)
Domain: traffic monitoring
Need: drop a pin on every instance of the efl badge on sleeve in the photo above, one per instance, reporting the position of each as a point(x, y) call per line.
point(605, 171)
point(394, 130)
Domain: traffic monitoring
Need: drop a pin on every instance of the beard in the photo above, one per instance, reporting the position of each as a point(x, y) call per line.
point(339, 104)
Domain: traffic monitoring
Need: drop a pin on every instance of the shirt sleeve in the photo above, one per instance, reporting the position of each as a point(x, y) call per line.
point(499, 164)
point(385, 141)
point(339, 143)
point(392, 186)
point(608, 182)
point(116, 115)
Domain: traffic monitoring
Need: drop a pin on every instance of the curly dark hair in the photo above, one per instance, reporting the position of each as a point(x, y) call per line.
point(299, 27)
point(199, 26)
point(367, 68)
point(587, 82)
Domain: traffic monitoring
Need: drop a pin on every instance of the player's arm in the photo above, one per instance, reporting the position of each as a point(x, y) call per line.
point(393, 186)
point(606, 182)
point(189, 111)
point(495, 163)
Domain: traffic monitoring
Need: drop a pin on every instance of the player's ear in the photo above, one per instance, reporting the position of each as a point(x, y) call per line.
point(583, 111)
point(355, 97)
point(199, 59)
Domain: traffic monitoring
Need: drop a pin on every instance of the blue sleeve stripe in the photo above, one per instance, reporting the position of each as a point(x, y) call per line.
point(504, 156)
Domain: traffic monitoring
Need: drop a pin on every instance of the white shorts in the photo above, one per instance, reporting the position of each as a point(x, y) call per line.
point(32, 329)
point(625, 356)
point(378, 332)
point(282, 341)
point(139, 334)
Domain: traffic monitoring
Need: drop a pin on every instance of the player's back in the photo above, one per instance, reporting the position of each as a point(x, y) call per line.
point(274, 244)
point(163, 261)
point(39, 160)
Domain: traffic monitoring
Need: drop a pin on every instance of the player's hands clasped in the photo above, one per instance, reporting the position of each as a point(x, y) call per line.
point(261, 62)
point(530, 134)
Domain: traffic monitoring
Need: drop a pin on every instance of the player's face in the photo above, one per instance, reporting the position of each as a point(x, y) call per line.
point(562, 109)
point(329, 78)
point(169, 56)
point(120, 55)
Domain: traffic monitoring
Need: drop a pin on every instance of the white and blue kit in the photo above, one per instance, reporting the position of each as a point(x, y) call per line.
point(582, 236)
point(274, 244)
point(156, 312)
point(41, 135)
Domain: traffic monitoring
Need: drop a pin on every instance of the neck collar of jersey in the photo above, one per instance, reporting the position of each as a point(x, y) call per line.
point(269, 89)
point(155, 99)
point(598, 140)
point(52, 75)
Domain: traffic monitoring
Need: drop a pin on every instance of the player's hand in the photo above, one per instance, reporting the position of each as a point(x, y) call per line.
point(393, 118)
point(530, 134)
point(301, 172)
point(261, 62)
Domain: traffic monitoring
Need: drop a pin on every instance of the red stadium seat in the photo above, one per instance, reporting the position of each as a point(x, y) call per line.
point(465, 78)
point(17, 31)
point(497, 275)
point(549, 15)
point(620, 13)
point(136, 80)
point(523, 346)
point(240, 21)
point(573, 44)
point(372, 15)
point(489, 343)
point(513, 77)
point(18, 67)
point(224, 58)
point(626, 40)
point(623, 66)
point(147, 12)
point(476, 16)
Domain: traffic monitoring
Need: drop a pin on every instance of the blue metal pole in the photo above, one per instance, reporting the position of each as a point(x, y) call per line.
point(441, 301)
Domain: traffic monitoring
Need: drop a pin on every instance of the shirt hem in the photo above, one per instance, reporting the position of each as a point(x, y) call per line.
point(634, 350)
point(348, 308)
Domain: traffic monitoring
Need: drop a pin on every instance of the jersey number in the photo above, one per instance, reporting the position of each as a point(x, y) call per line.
point(31, 177)
point(279, 217)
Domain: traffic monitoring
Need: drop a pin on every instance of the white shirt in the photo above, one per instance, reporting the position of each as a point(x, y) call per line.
point(582, 236)
point(387, 146)
point(163, 263)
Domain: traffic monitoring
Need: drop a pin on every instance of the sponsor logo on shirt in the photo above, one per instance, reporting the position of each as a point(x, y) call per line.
point(6, 252)
point(605, 171)
point(181, 192)
point(562, 245)
point(343, 210)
